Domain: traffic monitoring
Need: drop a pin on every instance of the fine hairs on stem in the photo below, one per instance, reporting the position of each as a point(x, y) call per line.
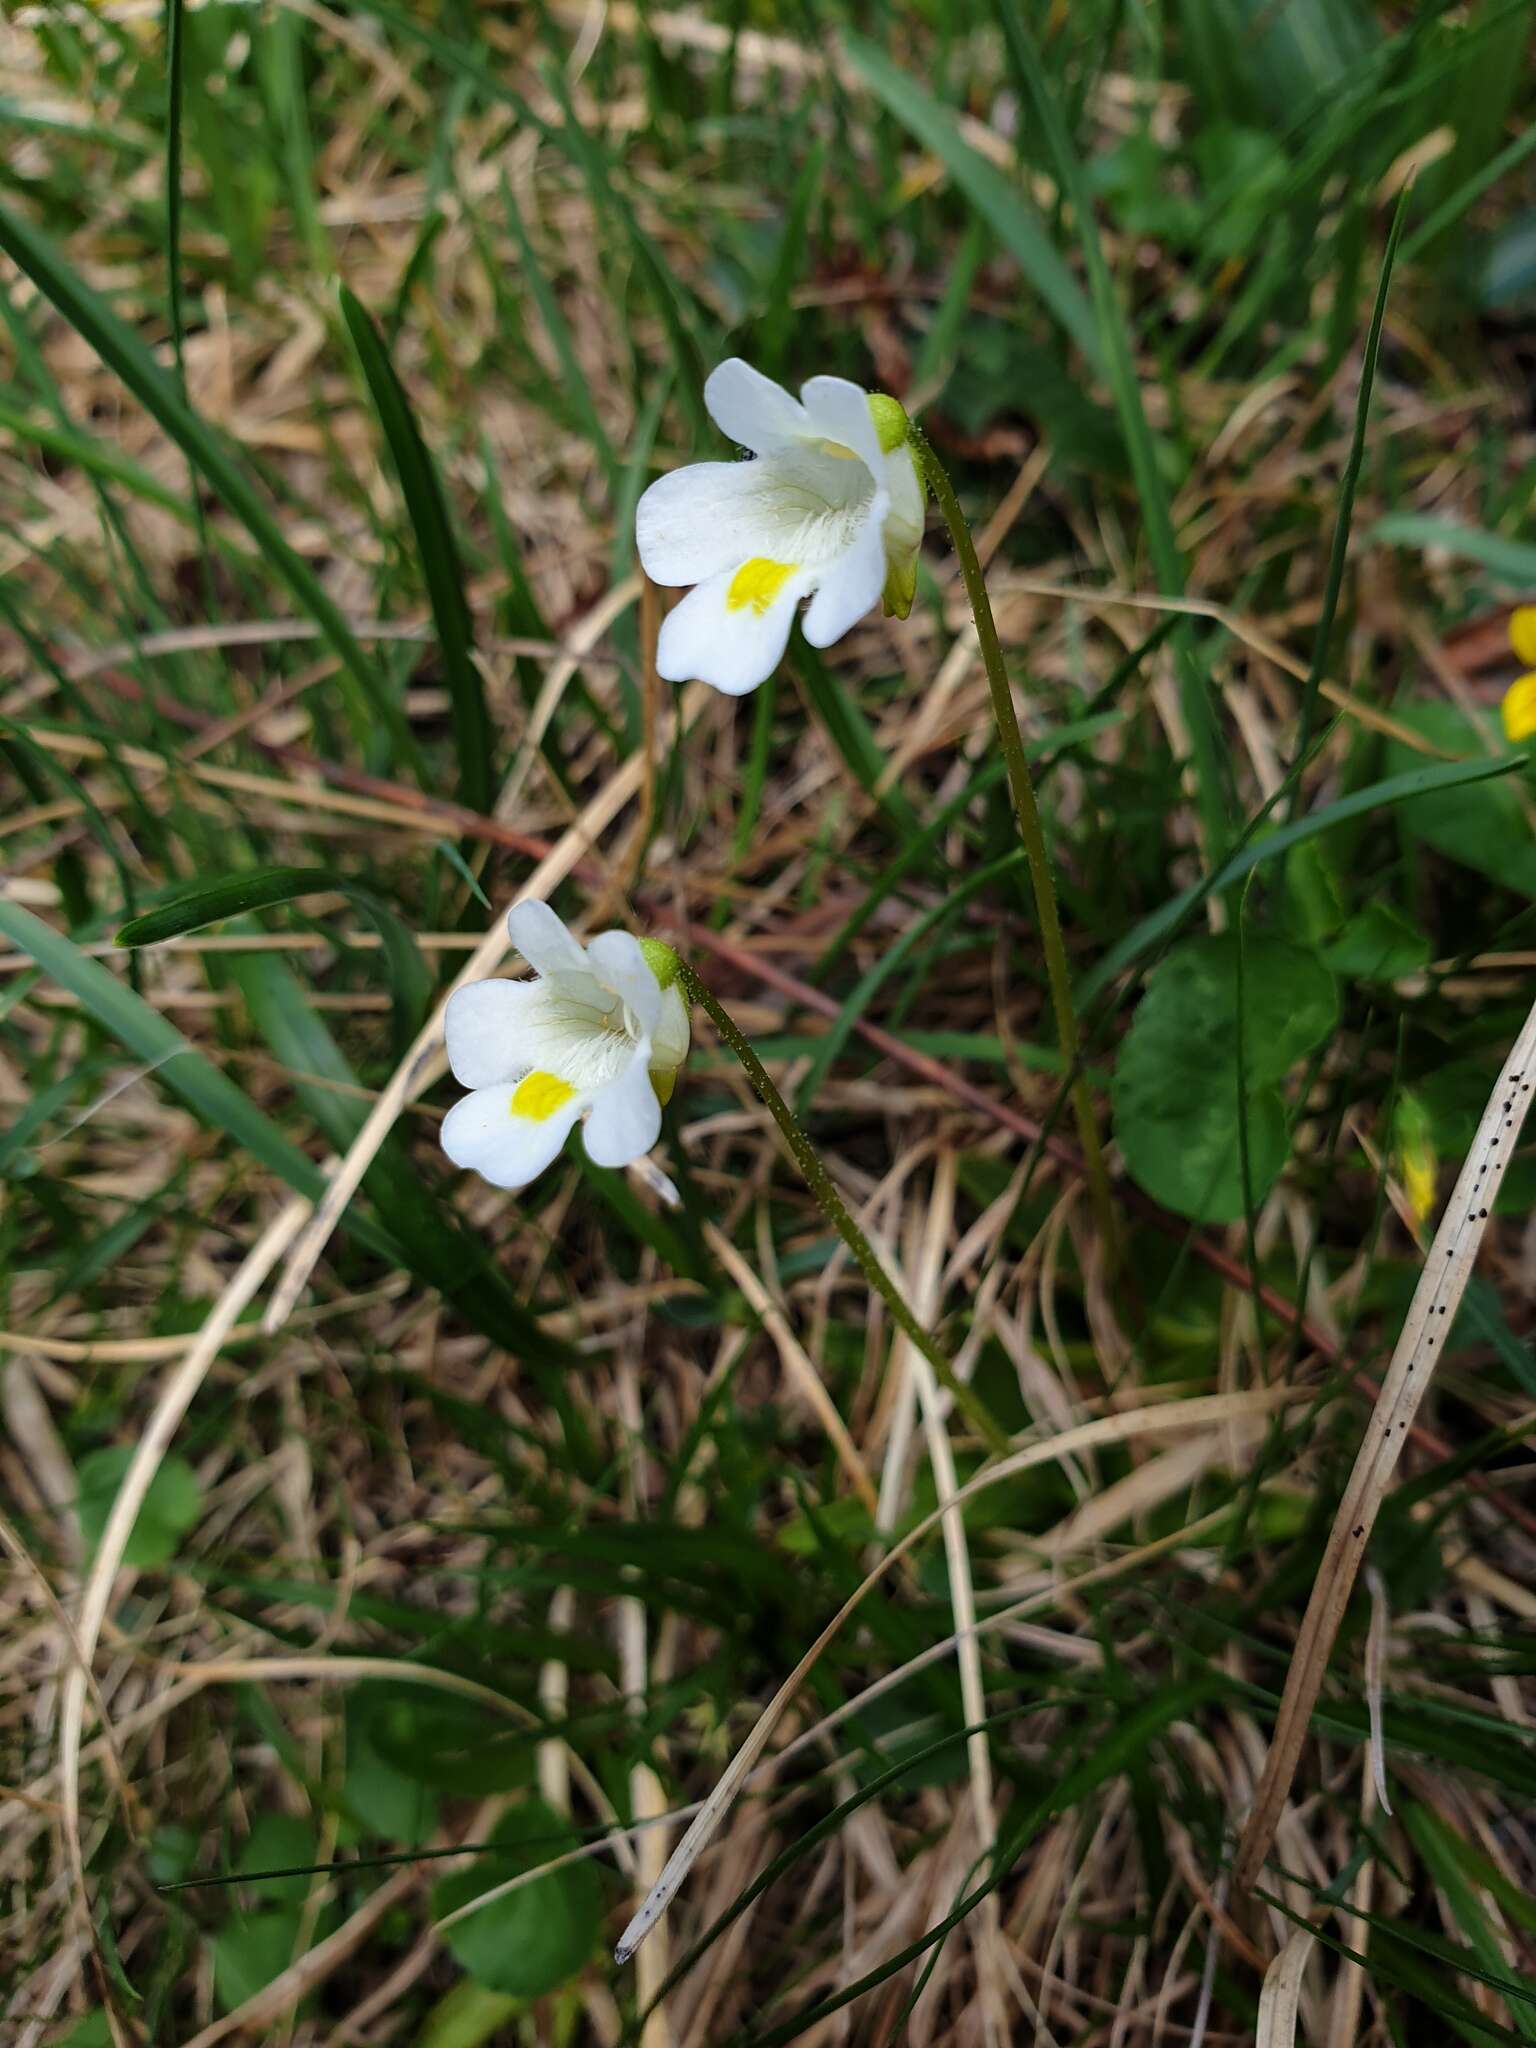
point(833, 1207)
point(1027, 811)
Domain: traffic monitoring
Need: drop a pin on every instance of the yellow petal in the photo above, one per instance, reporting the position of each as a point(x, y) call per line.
point(1522, 633)
point(1519, 708)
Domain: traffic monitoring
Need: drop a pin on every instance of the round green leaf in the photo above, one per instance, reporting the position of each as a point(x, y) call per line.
point(1191, 1162)
point(1177, 1077)
point(538, 1936)
point(1485, 828)
point(171, 1506)
point(251, 1950)
point(381, 1790)
point(278, 1841)
point(1377, 944)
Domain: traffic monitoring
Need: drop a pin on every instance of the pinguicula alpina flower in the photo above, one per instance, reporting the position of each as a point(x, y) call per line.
point(1519, 706)
point(599, 1034)
point(829, 508)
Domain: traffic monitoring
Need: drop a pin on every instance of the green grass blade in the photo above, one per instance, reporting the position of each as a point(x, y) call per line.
point(1000, 202)
point(1347, 486)
point(1509, 561)
point(127, 356)
point(481, 1294)
point(134, 1024)
point(575, 388)
point(410, 985)
point(441, 568)
point(99, 458)
point(1396, 789)
point(1151, 489)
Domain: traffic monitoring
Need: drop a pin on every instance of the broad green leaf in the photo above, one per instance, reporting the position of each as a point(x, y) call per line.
point(387, 1800)
point(441, 569)
point(466, 2016)
point(1489, 831)
point(171, 1507)
point(1187, 1154)
point(252, 1949)
point(1180, 1091)
point(1001, 201)
point(94, 2031)
point(278, 1841)
point(1377, 944)
point(538, 1936)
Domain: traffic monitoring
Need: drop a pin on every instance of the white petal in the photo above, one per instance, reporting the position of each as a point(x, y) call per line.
point(486, 1027)
point(626, 1117)
point(620, 965)
point(751, 410)
point(483, 1134)
point(542, 939)
point(840, 411)
point(669, 1043)
point(696, 521)
point(735, 649)
point(908, 508)
point(850, 585)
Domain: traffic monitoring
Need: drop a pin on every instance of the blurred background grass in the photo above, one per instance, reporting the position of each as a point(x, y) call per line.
point(340, 342)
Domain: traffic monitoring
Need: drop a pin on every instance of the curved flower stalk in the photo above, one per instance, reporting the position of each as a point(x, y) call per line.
point(598, 1035)
point(830, 507)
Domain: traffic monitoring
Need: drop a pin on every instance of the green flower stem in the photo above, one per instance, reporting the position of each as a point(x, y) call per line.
point(833, 1207)
point(1030, 830)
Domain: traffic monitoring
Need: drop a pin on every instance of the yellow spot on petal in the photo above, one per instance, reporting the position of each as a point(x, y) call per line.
point(1519, 709)
point(757, 583)
point(538, 1096)
point(839, 450)
point(1522, 633)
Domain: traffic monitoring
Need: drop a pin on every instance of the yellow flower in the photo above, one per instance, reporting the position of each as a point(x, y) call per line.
point(1519, 706)
point(1522, 634)
point(1418, 1163)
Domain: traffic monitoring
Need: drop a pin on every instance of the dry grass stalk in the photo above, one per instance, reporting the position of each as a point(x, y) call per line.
point(172, 1405)
point(1110, 1429)
point(1447, 1270)
point(1280, 1999)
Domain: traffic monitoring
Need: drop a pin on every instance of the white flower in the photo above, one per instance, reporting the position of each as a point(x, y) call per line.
point(599, 1034)
point(830, 509)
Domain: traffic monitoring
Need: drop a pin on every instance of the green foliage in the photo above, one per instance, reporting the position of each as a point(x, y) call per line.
point(441, 568)
point(1187, 1076)
point(170, 1509)
point(537, 1936)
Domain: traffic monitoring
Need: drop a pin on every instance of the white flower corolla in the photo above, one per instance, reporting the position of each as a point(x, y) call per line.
point(598, 1034)
point(830, 508)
